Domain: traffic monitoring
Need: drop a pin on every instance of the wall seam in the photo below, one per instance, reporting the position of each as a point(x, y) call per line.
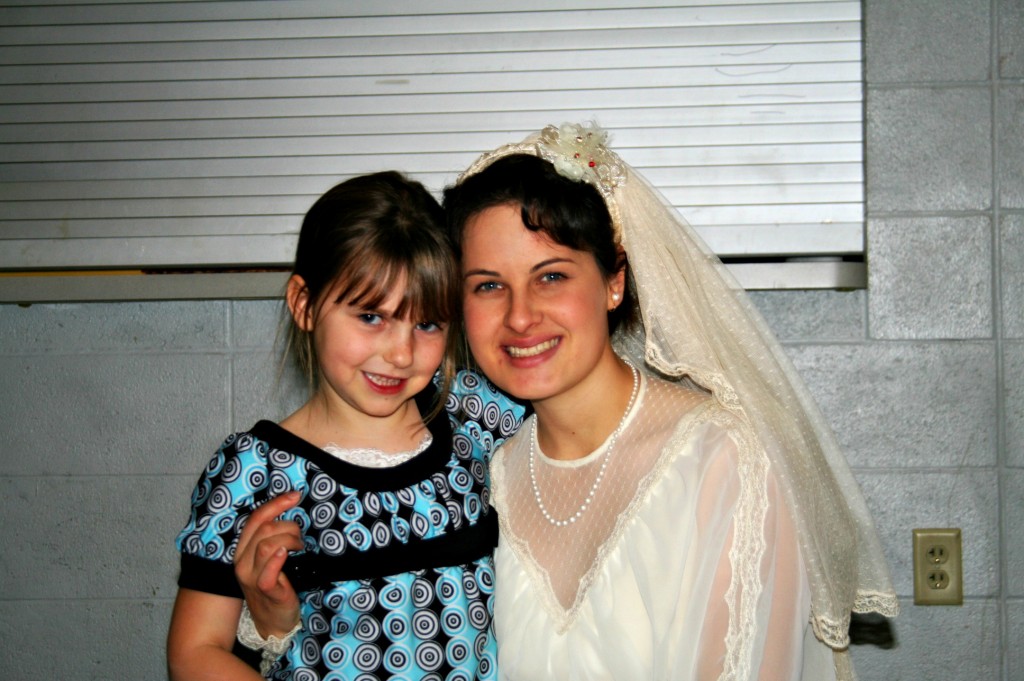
point(997, 324)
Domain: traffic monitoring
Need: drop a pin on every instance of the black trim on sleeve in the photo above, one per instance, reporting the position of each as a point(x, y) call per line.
point(209, 576)
point(308, 571)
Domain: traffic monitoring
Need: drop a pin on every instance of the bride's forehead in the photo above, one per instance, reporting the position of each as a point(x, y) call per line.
point(512, 243)
point(498, 215)
point(503, 222)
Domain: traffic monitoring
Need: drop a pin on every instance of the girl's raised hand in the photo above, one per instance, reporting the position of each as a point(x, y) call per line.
point(262, 551)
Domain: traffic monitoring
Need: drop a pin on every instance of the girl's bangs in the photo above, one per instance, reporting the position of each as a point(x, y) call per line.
point(428, 295)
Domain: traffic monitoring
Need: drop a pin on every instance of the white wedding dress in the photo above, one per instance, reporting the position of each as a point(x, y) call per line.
point(685, 566)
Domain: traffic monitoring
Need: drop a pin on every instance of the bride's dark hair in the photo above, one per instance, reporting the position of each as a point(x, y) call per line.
point(570, 213)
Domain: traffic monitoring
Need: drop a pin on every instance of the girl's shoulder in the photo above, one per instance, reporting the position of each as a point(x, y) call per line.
point(246, 457)
point(261, 437)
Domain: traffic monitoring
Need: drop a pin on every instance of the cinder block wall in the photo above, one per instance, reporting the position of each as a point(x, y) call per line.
point(110, 410)
point(931, 403)
point(107, 414)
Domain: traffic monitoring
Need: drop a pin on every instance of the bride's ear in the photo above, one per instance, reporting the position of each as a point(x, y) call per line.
point(617, 283)
point(297, 297)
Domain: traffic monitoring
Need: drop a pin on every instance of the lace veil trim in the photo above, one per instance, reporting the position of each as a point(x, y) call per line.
point(747, 552)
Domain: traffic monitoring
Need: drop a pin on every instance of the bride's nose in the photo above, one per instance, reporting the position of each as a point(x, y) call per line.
point(522, 312)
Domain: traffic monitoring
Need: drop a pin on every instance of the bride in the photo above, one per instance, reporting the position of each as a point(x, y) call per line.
point(675, 508)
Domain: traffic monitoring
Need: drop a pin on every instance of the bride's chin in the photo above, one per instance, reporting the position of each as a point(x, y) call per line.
point(522, 386)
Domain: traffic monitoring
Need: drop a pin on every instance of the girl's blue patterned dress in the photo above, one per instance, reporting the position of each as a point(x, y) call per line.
point(397, 577)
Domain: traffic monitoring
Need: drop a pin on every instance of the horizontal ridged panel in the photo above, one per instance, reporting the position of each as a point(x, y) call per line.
point(180, 134)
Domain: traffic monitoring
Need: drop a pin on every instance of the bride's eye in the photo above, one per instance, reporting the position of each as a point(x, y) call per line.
point(486, 286)
point(552, 277)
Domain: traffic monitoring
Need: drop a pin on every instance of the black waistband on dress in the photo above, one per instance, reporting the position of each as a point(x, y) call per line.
point(308, 571)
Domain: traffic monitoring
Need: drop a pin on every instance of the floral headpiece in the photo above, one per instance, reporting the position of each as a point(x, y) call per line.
point(578, 152)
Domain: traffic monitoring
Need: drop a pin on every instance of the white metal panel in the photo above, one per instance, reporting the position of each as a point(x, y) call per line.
point(195, 134)
point(447, 63)
point(498, 103)
point(406, 123)
point(312, 49)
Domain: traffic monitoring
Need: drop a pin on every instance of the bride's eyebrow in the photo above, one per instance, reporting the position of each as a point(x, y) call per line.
point(480, 273)
point(549, 262)
point(539, 266)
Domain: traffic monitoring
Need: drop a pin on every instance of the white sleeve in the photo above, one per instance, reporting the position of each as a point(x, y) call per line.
point(769, 637)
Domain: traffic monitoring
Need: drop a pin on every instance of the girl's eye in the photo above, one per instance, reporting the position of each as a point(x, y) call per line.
point(429, 327)
point(370, 318)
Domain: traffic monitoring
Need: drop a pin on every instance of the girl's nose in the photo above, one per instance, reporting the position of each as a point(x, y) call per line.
point(522, 313)
point(400, 348)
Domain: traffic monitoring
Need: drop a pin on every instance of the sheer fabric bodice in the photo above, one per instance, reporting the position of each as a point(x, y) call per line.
point(669, 573)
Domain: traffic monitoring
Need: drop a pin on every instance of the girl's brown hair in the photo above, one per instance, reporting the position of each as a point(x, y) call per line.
point(357, 243)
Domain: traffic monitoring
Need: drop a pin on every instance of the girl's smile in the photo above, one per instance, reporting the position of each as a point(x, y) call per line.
point(384, 384)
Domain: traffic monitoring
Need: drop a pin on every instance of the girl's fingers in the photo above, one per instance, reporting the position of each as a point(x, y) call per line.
point(268, 554)
point(272, 580)
point(266, 513)
point(263, 548)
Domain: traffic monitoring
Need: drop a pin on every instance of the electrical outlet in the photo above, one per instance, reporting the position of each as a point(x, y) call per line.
point(938, 567)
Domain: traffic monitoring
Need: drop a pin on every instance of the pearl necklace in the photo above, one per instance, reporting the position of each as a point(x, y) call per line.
point(600, 473)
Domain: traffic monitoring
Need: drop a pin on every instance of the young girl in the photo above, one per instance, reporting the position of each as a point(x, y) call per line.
point(388, 549)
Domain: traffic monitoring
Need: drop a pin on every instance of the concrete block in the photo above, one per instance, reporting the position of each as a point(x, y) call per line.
point(937, 642)
point(1013, 510)
point(105, 327)
point(921, 40)
point(966, 498)
point(84, 640)
point(263, 389)
point(101, 414)
point(92, 537)
point(1015, 634)
point(1011, 41)
point(930, 278)
point(1010, 141)
point(1011, 244)
point(257, 323)
point(929, 149)
point(906, 404)
point(814, 315)
point(1013, 402)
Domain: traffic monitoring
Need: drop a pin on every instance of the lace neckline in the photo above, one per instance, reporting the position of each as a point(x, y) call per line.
point(369, 457)
point(565, 616)
point(596, 454)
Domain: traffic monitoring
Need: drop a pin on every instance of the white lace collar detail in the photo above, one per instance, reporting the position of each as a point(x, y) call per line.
point(376, 458)
point(596, 454)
